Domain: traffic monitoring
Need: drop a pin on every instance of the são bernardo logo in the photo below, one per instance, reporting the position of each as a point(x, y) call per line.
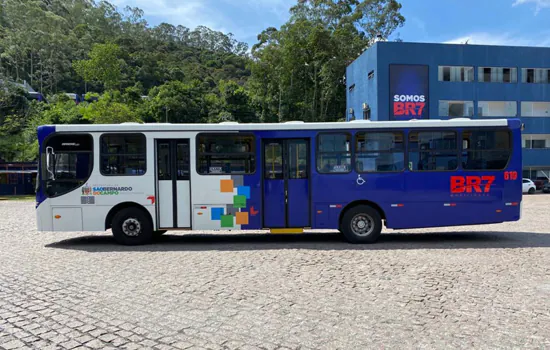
point(104, 190)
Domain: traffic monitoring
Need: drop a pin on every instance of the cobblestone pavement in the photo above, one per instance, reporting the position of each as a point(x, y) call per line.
point(477, 287)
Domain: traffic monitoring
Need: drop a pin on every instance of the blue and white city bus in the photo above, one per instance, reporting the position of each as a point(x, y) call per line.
point(143, 179)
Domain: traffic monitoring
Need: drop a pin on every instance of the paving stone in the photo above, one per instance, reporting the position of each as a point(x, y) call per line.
point(461, 287)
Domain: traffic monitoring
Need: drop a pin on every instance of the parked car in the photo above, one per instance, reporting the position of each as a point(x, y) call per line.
point(529, 186)
point(546, 188)
point(540, 182)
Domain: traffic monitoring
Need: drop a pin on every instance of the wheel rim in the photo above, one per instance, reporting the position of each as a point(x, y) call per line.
point(131, 227)
point(362, 225)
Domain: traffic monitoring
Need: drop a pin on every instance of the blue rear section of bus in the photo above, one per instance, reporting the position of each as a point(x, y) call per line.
point(406, 199)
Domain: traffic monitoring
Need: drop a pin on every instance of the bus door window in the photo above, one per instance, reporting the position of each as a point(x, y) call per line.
point(297, 160)
point(274, 161)
point(163, 160)
point(182, 160)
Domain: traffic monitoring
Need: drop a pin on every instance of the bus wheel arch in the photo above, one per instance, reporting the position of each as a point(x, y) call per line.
point(131, 224)
point(117, 208)
point(361, 221)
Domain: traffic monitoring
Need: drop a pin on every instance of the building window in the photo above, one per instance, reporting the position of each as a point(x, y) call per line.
point(334, 153)
point(535, 75)
point(455, 109)
point(456, 73)
point(497, 109)
point(486, 149)
point(433, 151)
point(366, 112)
point(219, 154)
point(379, 152)
point(537, 174)
point(535, 109)
point(371, 75)
point(123, 154)
point(498, 75)
point(536, 140)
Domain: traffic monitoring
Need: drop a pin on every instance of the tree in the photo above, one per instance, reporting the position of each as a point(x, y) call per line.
point(235, 103)
point(178, 102)
point(104, 65)
point(109, 109)
point(298, 70)
point(78, 46)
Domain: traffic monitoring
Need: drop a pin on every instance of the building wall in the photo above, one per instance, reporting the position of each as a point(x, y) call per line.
point(382, 54)
point(361, 89)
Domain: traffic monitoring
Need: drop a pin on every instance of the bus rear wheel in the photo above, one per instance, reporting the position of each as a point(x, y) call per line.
point(132, 226)
point(361, 224)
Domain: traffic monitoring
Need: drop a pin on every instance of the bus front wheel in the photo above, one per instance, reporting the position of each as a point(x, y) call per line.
point(132, 226)
point(361, 224)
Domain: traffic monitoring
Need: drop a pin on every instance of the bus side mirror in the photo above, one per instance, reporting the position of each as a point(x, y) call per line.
point(50, 154)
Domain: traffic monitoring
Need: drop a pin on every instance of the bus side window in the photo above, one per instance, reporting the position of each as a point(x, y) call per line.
point(225, 154)
point(433, 150)
point(123, 154)
point(487, 149)
point(334, 153)
point(379, 152)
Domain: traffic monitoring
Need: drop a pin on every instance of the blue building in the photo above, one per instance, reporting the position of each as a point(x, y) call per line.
point(399, 81)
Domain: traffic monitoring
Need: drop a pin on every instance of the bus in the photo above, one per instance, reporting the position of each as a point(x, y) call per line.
point(140, 180)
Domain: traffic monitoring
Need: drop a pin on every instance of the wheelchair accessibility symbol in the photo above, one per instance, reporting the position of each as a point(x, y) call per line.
point(360, 180)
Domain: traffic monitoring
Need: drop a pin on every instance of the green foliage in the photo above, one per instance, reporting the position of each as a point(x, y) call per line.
point(109, 109)
point(105, 65)
point(298, 70)
point(236, 103)
point(132, 72)
point(178, 102)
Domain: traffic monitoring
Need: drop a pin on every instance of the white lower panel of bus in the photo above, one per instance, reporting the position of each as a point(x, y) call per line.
point(165, 204)
point(184, 204)
point(67, 219)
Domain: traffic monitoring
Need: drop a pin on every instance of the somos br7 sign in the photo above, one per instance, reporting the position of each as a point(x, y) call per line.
point(409, 89)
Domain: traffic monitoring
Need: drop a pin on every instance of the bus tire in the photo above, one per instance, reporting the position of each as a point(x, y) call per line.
point(132, 226)
point(361, 224)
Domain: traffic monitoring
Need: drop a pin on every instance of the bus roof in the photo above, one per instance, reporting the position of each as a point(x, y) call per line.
point(359, 124)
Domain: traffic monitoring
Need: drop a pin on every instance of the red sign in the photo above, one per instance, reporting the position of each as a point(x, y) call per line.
point(510, 175)
point(471, 184)
point(408, 108)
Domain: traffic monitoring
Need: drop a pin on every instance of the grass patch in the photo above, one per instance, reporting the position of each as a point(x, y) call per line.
point(18, 198)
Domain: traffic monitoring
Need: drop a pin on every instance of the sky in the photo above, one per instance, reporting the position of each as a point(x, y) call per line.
point(492, 22)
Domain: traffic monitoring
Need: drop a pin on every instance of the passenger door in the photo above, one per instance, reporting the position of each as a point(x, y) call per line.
point(286, 199)
point(173, 184)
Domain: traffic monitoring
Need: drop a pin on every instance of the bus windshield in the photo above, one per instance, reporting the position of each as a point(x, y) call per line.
point(66, 163)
